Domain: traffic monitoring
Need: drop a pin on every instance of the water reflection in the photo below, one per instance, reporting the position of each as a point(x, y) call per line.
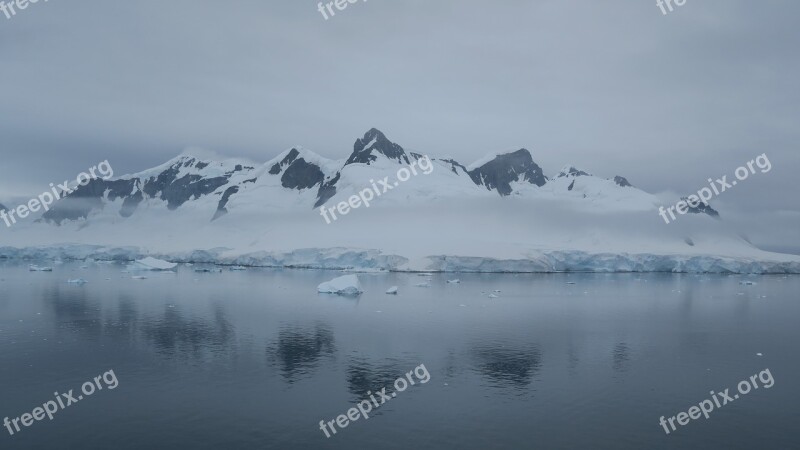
point(621, 356)
point(507, 366)
point(298, 350)
point(75, 311)
point(175, 334)
point(363, 376)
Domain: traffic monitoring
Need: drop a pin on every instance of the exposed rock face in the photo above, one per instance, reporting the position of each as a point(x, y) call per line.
point(702, 208)
point(297, 172)
point(327, 190)
point(573, 172)
point(499, 173)
point(167, 185)
point(621, 181)
point(455, 165)
point(374, 143)
point(221, 211)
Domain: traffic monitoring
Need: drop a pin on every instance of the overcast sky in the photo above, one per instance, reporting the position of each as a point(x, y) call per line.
point(612, 87)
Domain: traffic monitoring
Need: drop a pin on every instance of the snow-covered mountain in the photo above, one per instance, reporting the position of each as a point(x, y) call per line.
point(497, 214)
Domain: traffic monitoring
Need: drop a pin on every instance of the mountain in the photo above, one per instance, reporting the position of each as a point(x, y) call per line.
point(188, 178)
point(413, 212)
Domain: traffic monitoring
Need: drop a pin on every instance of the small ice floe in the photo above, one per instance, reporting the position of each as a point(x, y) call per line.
point(206, 270)
point(138, 277)
point(747, 283)
point(425, 274)
point(496, 291)
point(35, 268)
point(78, 281)
point(238, 268)
point(456, 281)
point(84, 267)
point(492, 295)
point(423, 285)
point(759, 354)
point(151, 263)
point(462, 306)
point(344, 285)
point(392, 290)
point(570, 282)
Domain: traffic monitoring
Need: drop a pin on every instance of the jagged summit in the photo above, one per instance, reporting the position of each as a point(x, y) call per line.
point(571, 171)
point(374, 143)
point(502, 170)
point(622, 181)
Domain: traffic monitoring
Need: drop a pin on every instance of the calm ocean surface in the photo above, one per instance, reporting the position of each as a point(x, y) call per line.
point(255, 359)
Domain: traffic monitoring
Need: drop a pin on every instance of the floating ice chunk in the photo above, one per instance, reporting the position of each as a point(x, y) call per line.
point(425, 274)
point(425, 285)
point(392, 290)
point(212, 270)
point(139, 277)
point(151, 263)
point(759, 354)
point(456, 281)
point(345, 285)
point(496, 291)
point(747, 283)
point(570, 282)
point(77, 281)
point(492, 295)
point(235, 268)
point(35, 268)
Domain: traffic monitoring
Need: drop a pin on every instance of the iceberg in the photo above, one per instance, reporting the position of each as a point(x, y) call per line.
point(345, 285)
point(151, 263)
point(392, 290)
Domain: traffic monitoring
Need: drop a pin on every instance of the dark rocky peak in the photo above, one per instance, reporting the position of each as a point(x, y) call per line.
point(455, 165)
point(374, 143)
point(622, 182)
point(286, 161)
point(701, 208)
point(571, 171)
point(502, 170)
point(297, 173)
